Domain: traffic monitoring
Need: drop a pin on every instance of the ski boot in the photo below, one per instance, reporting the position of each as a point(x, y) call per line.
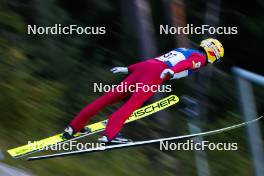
point(119, 139)
point(69, 132)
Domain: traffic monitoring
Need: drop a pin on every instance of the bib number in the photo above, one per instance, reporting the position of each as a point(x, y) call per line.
point(168, 56)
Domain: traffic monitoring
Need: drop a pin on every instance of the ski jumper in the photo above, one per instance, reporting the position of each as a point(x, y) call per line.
point(182, 61)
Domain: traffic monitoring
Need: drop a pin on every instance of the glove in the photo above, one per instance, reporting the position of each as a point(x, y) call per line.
point(166, 72)
point(119, 70)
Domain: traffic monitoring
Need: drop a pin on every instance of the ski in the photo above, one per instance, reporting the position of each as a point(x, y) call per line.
point(94, 128)
point(140, 143)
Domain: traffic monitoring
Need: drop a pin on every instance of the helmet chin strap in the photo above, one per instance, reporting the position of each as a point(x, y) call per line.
point(215, 52)
point(210, 45)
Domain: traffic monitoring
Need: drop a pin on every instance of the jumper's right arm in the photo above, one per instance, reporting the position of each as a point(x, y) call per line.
point(132, 67)
point(125, 70)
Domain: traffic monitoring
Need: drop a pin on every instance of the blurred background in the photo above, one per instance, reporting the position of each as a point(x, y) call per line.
point(46, 79)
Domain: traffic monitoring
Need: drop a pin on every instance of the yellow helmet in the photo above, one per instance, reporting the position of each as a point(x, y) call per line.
point(213, 48)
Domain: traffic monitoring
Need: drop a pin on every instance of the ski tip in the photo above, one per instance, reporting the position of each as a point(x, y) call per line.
point(258, 118)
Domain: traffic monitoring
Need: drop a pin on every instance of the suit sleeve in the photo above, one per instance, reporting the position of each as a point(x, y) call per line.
point(132, 67)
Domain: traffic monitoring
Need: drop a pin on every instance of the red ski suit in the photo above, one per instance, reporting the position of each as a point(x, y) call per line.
point(146, 72)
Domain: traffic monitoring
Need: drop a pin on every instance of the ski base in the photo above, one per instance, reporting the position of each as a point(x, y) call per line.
point(140, 143)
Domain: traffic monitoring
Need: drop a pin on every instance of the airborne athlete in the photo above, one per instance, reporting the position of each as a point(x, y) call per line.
point(176, 64)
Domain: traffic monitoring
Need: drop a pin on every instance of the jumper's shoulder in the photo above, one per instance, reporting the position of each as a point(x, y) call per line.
point(198, 59)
